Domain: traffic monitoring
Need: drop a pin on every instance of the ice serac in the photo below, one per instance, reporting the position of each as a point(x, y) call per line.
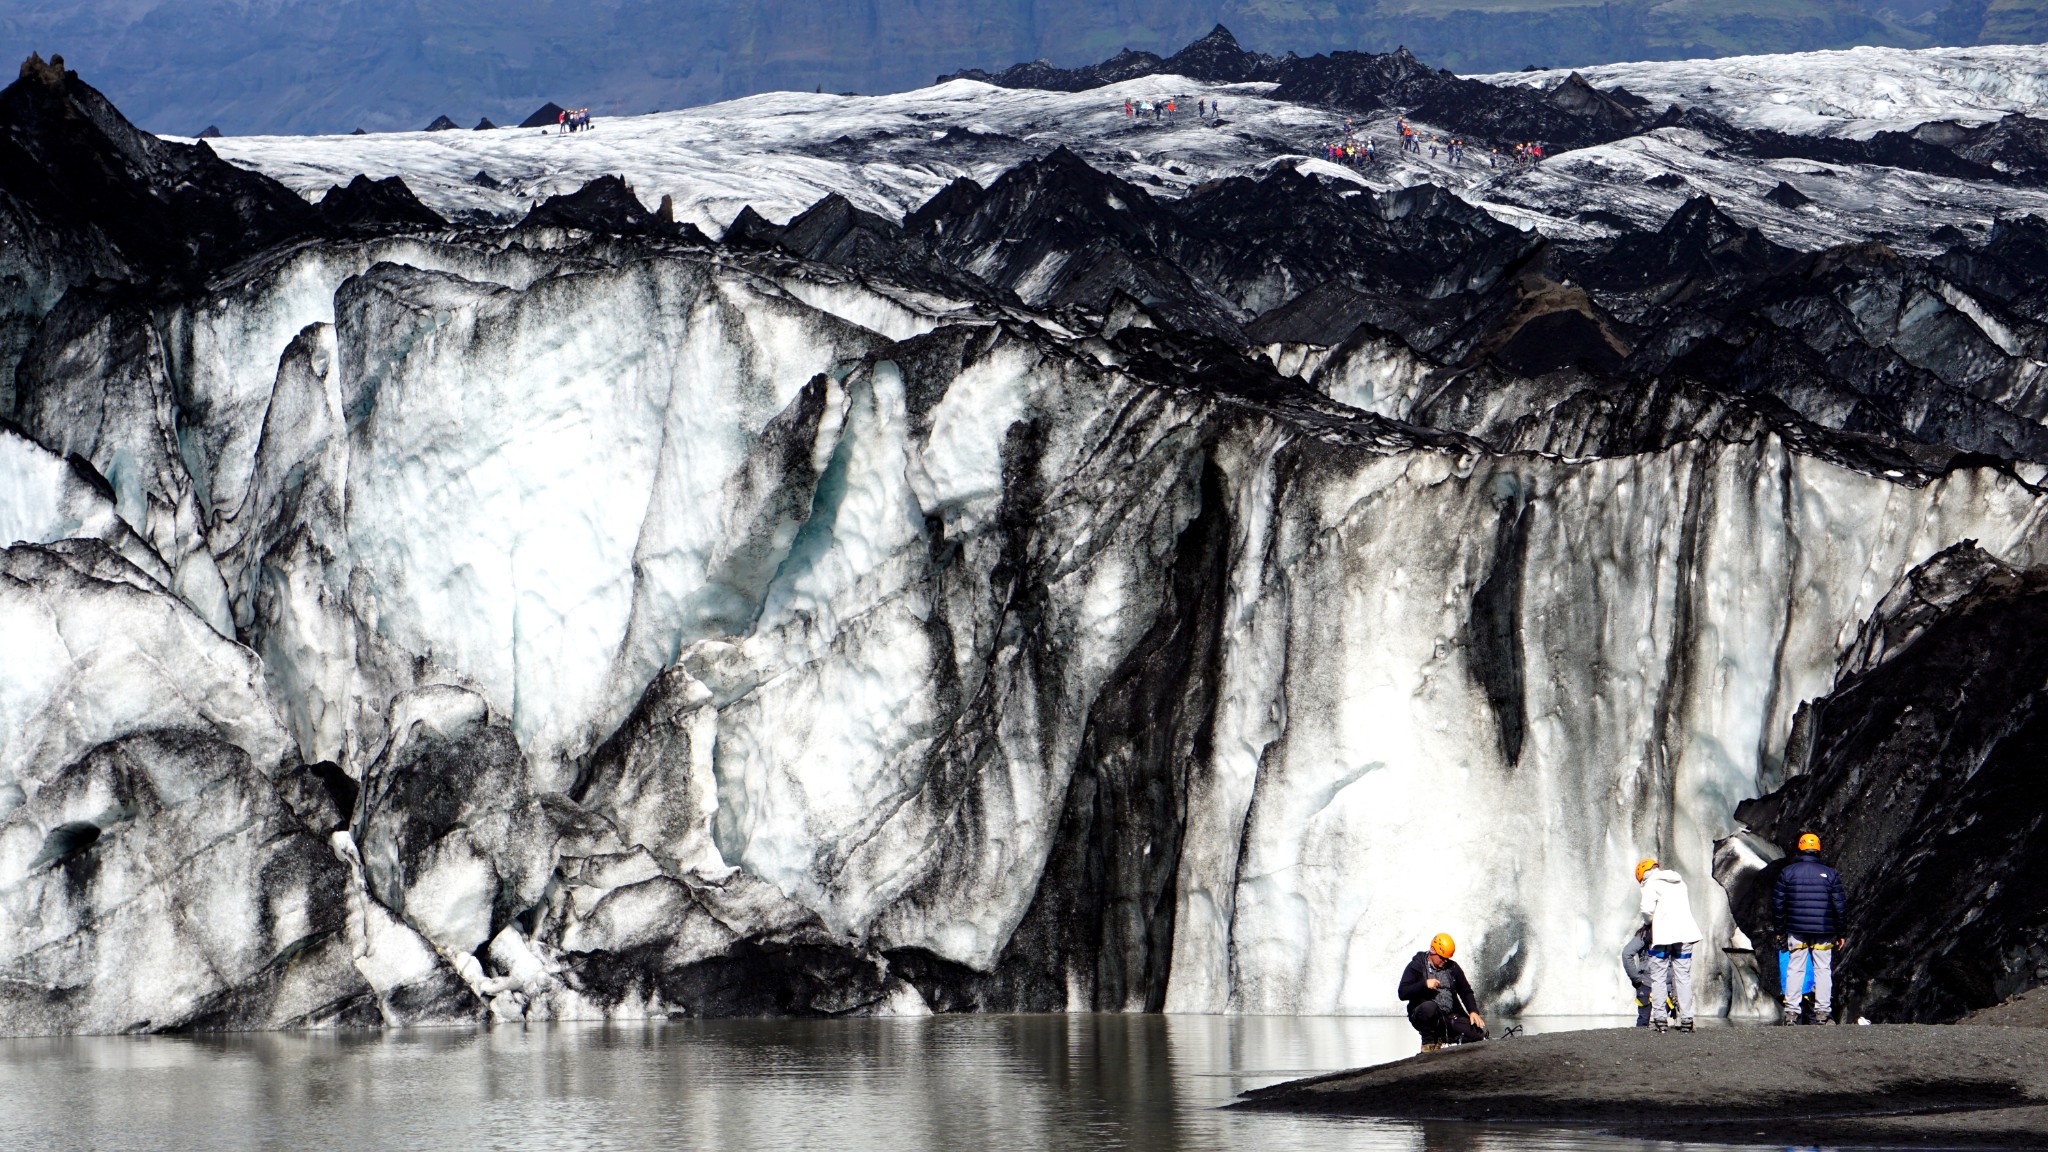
point(451, 835)
point(50, 499)
point(159, 882)
point(375, 206)
point(624, 403)
point(151, 874)
point(95, 386)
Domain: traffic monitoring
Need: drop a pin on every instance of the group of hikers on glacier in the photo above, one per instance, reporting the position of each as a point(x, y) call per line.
point(1166, 109)
point(1809, 910)
point(1352, 152)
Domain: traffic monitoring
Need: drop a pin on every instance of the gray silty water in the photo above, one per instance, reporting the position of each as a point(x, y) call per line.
point(904, 1085)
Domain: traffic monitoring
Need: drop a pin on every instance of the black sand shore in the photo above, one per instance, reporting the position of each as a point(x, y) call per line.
point(1887, 1086)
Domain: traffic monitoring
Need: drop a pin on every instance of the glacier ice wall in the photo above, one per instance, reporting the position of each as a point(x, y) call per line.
point(1591, 663)
point(618, 632)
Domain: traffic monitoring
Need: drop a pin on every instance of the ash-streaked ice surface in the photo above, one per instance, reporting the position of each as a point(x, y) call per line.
point(975, 549)
point(1853, 92)
point(780, 152)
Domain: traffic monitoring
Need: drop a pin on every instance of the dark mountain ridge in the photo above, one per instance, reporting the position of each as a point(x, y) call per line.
point(82, 170)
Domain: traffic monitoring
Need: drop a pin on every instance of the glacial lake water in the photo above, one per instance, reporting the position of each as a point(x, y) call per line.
point(897, 1085)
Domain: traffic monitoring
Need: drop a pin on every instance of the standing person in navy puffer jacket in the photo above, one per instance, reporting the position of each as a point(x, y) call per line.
point(1811, 911)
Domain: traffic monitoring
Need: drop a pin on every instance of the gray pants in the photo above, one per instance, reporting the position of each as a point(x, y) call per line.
point(1671, 964)
point(1799, 951)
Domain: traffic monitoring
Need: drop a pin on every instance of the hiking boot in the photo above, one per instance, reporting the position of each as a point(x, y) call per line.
point(1685, 1025)
point(1659, 1027)
point(1431, 1046)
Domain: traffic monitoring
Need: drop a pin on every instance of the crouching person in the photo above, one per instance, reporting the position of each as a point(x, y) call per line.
point(1440, 1000)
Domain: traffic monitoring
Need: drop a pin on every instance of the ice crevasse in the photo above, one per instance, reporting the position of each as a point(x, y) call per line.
point(595, 637)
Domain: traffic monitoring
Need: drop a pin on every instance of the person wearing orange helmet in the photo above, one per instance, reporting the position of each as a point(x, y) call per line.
point(1810, 909)
point(1667, 909)
point(1441, 1005)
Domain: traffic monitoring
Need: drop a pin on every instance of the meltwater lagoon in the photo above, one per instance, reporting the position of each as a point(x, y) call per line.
point(896, 1085)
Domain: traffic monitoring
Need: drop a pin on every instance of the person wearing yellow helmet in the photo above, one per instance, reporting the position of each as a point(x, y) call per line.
point(1667, 910)
point(1441, 1005)
point(1810, 909)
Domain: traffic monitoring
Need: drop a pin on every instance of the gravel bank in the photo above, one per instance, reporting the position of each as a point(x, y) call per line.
point(1890, 1085)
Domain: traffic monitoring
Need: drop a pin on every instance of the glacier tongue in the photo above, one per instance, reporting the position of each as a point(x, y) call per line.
point(1067, 597)
point(921, 607)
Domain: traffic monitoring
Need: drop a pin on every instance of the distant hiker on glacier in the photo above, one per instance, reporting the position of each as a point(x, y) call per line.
point(1811, 910)
point(1667, 910)
point(1441, 1005)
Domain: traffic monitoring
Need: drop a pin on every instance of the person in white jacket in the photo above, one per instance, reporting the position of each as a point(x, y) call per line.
point(1673, 934)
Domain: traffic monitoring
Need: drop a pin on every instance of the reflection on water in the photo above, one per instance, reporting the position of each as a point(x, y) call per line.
point(949, 1082)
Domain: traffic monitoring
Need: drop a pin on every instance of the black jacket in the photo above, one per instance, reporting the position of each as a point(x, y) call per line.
point(1415, 987)
point(1808, 901)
